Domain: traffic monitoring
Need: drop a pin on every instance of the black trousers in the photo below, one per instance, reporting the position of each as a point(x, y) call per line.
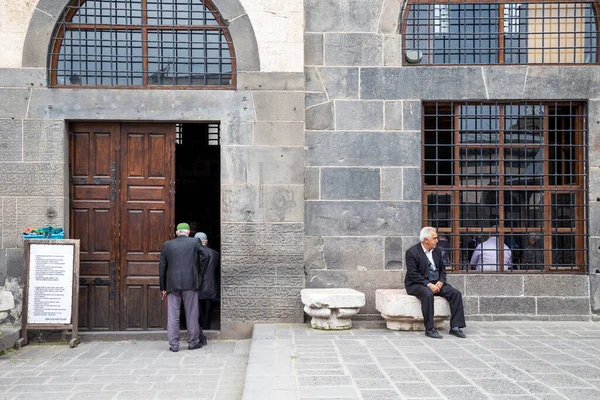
point(454, 297)
point(205, 306)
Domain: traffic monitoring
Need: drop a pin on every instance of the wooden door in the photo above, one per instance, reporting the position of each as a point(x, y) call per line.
point(147, 196)
point(122, 198)
point(93, 219)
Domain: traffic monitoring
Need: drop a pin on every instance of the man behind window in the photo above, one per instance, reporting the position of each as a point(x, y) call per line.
point(426, 277)
point(486, 255)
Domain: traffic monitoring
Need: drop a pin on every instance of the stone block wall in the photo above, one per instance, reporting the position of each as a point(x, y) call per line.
point(262, 180)
point(33, 176)
point(363, 158)
point(14, 21)
point(262, 192)
point(362, 211)
point(262, 156)
point(528, 297)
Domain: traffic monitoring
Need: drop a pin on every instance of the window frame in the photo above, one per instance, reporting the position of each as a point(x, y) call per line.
point(595, 6)
point(548, 231)
point(72, 9)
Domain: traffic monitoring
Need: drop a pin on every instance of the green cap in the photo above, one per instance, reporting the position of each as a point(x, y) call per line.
point(183, 226)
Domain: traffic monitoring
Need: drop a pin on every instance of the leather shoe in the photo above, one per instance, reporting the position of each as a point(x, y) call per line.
point(196, 346)
point(173, 349)
point(458, 333)
point(432, 333)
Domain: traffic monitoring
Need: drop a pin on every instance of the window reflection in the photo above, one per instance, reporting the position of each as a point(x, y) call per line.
point(103, 43)
point(505, 32)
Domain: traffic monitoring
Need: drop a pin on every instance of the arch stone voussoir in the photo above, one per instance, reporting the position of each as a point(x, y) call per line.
point(46, 13)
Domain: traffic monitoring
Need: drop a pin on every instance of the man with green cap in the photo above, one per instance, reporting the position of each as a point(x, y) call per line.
point(178, 269)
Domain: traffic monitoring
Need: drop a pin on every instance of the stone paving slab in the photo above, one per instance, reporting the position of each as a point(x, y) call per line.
point(498, 360)
point(127, 369)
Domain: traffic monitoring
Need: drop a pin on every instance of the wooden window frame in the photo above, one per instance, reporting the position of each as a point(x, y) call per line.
point(595, 6)
point(456, 231)
point(72, 9)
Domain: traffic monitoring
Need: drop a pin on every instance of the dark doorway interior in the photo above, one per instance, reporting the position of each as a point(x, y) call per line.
point(197, 188)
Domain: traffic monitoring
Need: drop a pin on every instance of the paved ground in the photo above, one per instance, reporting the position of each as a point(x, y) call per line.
point(541, 360)
point(125, 370)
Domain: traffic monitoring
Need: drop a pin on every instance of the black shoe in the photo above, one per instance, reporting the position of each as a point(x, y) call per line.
point(457, 332)
point(203, 341)
point(174, 350)
point(432, 333)
point(198, 345)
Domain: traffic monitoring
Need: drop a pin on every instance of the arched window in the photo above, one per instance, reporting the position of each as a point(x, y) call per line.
point(501, 32)
point(141, 43)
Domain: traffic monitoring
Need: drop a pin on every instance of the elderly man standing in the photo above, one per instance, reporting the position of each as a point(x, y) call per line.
point(208, 286)
point(426, 277)
point(178, 269)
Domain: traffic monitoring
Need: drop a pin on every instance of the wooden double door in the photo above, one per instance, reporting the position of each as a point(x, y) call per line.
point(121, 208)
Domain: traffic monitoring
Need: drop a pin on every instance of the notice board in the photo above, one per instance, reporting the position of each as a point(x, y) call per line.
point(50, 298)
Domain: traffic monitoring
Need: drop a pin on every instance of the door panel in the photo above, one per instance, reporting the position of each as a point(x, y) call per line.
point(146, 204)
point(122, 199)
point(93, 216)
point(156, 320)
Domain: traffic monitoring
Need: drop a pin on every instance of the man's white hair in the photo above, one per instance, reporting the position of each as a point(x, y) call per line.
point(182, 232)
point(426, 233)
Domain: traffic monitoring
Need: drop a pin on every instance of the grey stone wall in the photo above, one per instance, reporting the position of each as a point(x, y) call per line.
point(33, 174)
point(524, 297)
point(261, 274)
point(363, 158)
point(262, 180)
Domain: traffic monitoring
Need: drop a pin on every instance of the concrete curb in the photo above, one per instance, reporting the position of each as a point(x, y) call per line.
point(270, 372)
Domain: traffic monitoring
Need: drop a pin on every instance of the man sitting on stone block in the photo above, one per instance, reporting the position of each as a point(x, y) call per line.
point(426, 277)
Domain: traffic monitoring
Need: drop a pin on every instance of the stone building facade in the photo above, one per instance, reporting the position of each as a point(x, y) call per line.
point(320, 155)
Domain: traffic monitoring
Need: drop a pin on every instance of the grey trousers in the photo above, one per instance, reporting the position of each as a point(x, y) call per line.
point(190, 304)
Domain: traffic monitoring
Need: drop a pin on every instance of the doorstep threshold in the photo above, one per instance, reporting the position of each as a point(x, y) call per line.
point(117, 336)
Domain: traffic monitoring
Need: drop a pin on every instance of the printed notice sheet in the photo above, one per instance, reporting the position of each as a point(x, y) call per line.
point(50, 284)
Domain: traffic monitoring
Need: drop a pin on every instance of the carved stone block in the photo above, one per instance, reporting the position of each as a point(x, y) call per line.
point(402, 312)
point(332, 309)
point(262, 271)
point(43, 140)
point(11, 140)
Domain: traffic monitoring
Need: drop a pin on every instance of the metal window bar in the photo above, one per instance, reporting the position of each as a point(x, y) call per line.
point(481, 32)
point(214, 134)
point(505, 184)
point(141, 43)
point(178, 133)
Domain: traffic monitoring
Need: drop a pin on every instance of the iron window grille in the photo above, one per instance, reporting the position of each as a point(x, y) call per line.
point(505, 184)
point(214, 134)
point(501, 32)
point(142, 44)
point(212, 137)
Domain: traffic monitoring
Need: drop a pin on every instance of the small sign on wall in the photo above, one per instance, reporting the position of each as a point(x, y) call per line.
point(51, 287)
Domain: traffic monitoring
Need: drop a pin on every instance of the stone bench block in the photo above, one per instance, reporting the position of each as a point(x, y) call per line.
point(332, 309)
point(7, 301)
point(402, 312)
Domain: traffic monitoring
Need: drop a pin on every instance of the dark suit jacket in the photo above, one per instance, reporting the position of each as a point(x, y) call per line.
point(417, 265)
point(208, 286)
point(178, 267)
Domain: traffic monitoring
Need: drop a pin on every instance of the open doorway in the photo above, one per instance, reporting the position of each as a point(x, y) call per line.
point(198, 190)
